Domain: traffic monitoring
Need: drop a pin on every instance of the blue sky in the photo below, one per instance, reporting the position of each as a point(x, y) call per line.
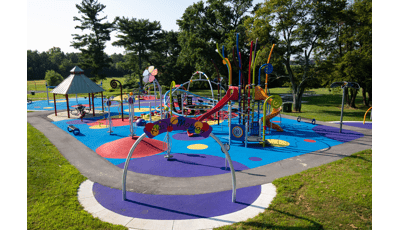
point(50, 22)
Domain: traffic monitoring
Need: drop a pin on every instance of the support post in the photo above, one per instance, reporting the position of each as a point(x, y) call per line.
point(102, 102)
point(341, 113)
point(55, 107)
point(93, 104)
point(66, 97)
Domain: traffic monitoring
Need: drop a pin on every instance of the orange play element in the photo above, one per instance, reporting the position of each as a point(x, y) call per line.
point(274, 113)
point(260, 94)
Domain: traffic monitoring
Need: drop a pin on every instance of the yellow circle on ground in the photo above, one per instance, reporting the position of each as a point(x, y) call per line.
point(48, 107)
point(99, 126)
point(153, 118)
point(277, 143)
point(141, 110)
point(213, 122)
point(58, 101)
point(197, 146)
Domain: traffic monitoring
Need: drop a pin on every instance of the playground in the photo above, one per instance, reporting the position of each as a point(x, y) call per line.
point(184, 161)
point(193, 158)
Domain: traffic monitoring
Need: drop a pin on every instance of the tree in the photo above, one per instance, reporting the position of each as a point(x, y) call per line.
point(92, 45)
point(53, 78)
point(138, 37)
point(349, 56)
point(205, 24)
point(297, 27)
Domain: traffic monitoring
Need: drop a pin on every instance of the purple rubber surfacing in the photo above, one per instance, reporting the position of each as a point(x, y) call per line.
point(174, 207)
point(255, 159)
point(358, 124)
point(182, 165)
point(333, 133)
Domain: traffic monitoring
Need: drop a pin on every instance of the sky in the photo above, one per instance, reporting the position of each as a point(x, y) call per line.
point(50, 22)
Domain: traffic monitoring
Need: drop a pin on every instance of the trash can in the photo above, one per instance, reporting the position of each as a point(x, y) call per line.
point(33, 92)
point(287, 107)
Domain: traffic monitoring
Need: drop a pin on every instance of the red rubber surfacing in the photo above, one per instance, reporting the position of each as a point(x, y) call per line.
point(120, 148)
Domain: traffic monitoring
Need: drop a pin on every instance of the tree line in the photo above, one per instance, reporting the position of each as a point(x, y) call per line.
point(316, 43)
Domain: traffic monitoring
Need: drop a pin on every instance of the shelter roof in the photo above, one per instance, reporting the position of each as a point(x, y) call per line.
point(76, 83)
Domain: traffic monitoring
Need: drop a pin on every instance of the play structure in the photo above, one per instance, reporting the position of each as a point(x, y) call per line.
point(365, 115)
point(250, 126)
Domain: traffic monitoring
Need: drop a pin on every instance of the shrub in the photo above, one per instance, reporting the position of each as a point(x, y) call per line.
point(53, 78)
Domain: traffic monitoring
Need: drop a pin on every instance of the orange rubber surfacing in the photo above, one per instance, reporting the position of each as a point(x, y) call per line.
point(120, 148)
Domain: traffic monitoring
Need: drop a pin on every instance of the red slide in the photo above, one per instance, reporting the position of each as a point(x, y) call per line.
point(220, 104)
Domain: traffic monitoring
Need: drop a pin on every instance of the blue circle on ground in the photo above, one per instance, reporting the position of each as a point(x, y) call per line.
point(174, 207)
point(255, 159)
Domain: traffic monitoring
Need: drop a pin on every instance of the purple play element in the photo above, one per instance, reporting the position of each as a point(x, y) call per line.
point(333, 133)
point(177, 123)
point(79, 122)
point(174, 207)
point(182, 165)
point(358, 124)
point(184, 137)
point(255, 159)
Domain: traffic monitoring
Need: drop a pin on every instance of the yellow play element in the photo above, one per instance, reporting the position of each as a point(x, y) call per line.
point(99, 126)
point(277, 143)
point(48, 107)
point(197, 146)
point(58, 101)
point(365, 115)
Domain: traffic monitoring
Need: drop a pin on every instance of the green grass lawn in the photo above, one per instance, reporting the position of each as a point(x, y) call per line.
point(337, 195)
point(52, 189)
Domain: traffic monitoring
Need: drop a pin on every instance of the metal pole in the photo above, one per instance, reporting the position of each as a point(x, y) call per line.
point(47, 91)
point(341, 113)
point(230, 166)
point(128, 158)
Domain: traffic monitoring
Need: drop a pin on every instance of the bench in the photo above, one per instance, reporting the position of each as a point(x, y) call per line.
point(73, 129)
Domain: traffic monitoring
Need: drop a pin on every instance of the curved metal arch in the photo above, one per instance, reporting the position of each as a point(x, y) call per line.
point(160, 92)
point(201, 73)
point(128, 158)
point(166, 97)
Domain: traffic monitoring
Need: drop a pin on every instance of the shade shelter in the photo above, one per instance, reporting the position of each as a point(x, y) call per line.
point(76, 83)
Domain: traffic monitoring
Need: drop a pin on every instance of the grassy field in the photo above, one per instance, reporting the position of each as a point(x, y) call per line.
point(52, 189)
point(332, 196)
